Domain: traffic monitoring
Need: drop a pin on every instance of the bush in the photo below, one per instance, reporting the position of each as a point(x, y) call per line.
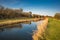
point(57, 16)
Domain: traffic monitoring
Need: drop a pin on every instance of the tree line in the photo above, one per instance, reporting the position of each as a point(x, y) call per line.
point(57, 16)
point(15, 13)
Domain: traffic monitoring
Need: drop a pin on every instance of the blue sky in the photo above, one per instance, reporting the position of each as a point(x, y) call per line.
point(41, 7)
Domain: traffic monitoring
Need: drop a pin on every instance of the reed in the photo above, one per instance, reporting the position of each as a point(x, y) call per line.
point(41, 27)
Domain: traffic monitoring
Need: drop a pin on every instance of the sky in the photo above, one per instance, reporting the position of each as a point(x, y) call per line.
point(40, 7)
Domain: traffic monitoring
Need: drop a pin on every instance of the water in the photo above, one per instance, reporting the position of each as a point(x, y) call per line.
point(21, 31)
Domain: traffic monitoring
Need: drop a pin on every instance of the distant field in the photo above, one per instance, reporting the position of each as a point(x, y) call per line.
point(53, 29)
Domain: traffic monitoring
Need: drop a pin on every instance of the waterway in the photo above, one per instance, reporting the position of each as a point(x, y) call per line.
point(20, 31)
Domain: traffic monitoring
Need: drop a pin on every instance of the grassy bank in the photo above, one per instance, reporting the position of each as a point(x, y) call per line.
point(15, 21)
point(41, 27)
point(2, 20)
point(53, 29)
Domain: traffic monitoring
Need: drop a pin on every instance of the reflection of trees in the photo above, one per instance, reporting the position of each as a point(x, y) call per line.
point(15, 25)
point(9, 27)
point(1, 29)
point(19, 26)
point(12, 26)
point(29, 22)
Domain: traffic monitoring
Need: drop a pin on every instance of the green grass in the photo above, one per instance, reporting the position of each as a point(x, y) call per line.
point(53, 29)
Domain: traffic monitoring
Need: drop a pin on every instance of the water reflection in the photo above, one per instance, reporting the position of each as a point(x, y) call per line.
point(27, 22)
point(1, 29)
point(21, 31)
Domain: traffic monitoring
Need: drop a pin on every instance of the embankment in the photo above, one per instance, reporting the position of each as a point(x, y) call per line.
point(8, 22)
point(41, 27)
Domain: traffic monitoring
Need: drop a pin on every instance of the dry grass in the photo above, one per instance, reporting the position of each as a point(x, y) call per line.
point(6, 22)
point(40, 30)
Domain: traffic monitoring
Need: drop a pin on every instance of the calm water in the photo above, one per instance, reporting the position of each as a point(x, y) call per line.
point(21, 31)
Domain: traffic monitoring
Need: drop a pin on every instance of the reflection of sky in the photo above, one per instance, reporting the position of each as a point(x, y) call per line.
point(44, 7)
point(17, 33)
